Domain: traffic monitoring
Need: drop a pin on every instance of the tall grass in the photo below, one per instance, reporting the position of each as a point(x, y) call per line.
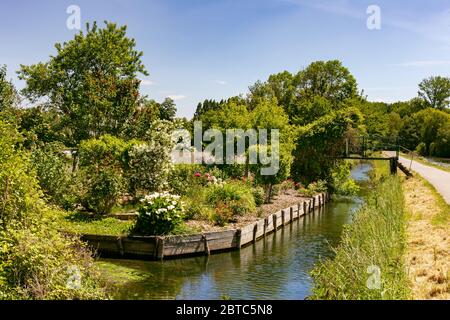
point(375, 239)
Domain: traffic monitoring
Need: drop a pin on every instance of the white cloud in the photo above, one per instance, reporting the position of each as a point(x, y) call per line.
point(176, 97)
point(147, 83)
point(424, 63)
point(222, 82)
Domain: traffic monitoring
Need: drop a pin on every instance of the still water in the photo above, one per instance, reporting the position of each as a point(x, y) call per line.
point(276, 267)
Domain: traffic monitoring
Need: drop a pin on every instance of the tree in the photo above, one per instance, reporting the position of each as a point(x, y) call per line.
point(8, 94)
point(433, 129)
point(327, 79)
point(167, 110)
point(92, 81)
point(435, 91)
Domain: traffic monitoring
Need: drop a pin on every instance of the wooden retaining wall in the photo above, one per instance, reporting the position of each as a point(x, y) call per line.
point(158, 248)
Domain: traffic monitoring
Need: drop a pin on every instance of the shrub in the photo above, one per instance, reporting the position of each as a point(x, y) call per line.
point(259, 196)
point(314, 188)
point(223, 214)
point(149, 167)
point(102, 191)
point(236, 196)
point(34, 256)
point(422, 149)
point(44, 265)
point(53, 175)
point(196, 209)
point(182, 178)
point(159, 214)
point(342, 183)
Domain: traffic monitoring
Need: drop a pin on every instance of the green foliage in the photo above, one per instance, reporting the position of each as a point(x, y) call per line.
point(167, 110)
point(9, 97)
point(376, 238)
point(342, 183)
point(102, 190)
point(95, 90)
point(318, 140)
point(35, 259)
point(53, 174)
point(314, 188)
point(182, 178)
point(435, 91)
point(235, 196)
point(433, 127)
point(159, 214)
point(259, 195)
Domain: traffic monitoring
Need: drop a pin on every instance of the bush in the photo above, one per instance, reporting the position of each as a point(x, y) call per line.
point(53, 175)
point(159, 214)
point(149, 167)
point(223, 214)
point(235, 196)
point(196, 209)
point(34, 256)
point(422, 149)
point(182, 178)
point(102, 191)
point(314, 188)
point(44, 265)
point(259, 196)
point(342, 183)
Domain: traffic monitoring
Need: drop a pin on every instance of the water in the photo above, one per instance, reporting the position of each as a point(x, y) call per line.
point(276, 267)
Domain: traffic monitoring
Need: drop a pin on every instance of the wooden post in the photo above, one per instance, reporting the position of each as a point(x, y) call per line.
point(238, 238)
point(266, 223)
point(120, 246)
point(291, 212)
point(255, 231)
point(159, 250)
point(283, 218)
point(205, 241)
point(274, 222)
point(304, 208)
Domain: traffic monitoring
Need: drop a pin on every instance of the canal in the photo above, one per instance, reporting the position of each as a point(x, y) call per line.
point(276, 267)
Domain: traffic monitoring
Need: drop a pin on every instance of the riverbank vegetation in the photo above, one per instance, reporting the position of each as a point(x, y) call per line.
point(368, 263)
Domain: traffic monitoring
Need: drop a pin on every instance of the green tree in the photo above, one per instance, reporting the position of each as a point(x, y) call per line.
point(92, 81)
point(435, 91)
point(327, 79)
point(167, 110)
point(430, 123)
point(8, 95)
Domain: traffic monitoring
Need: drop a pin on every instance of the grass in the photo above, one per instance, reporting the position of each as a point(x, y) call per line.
point(83, 223)
point(427, 252)
point(425, 162)
point(374, 241)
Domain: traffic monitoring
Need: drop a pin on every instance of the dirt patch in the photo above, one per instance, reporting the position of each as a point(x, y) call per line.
point(428, 257)
point(282, 201)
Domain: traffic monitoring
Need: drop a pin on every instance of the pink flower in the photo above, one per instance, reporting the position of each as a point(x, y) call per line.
point(198, 174)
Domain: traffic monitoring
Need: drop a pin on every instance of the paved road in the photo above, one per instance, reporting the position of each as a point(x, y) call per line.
point(438, 178)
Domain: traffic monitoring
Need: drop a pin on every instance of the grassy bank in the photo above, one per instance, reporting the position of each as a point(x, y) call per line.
point(375, 241)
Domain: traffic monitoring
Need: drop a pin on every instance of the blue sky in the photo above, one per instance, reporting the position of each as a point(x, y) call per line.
point(198, 49)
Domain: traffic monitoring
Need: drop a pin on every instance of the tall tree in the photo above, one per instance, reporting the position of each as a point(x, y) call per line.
point(8, 94)
point(92, 81)
point(327, 79)
point(167, 110)
point(436, 92)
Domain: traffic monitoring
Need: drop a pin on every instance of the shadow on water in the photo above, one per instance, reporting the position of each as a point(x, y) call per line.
point(276, 267)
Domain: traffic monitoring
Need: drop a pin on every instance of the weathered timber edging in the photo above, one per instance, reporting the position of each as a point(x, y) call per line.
point(159, 247)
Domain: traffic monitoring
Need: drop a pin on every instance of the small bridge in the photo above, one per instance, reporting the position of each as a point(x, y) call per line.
point(372, 147)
